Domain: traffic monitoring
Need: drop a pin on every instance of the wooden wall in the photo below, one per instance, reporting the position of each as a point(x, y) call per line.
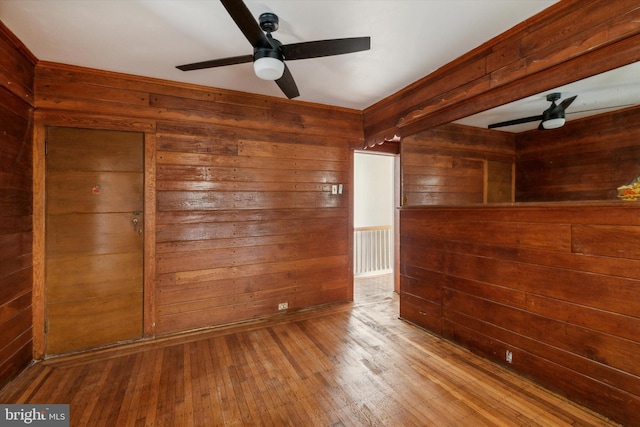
point(586, 159)
point(558, 286)
point(246, 228)
point(241, 212)
point(457, 165)
point(16, 261)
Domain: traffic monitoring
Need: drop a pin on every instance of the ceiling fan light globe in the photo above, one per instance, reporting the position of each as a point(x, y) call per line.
point(553, 123)
point(268, 68)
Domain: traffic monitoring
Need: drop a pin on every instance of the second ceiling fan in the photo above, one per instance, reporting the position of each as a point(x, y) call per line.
point(551, 118)
point(269, 54)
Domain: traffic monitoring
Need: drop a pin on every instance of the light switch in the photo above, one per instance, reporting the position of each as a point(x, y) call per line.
point(334, 189)
point(339, 188)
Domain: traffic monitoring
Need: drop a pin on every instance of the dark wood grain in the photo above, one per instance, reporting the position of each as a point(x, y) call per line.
point(449, 165)
point(16, 193)
point(553, 285)
point(242, 190)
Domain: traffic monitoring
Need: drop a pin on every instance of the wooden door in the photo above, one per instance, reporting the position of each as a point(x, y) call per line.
point(93, 239)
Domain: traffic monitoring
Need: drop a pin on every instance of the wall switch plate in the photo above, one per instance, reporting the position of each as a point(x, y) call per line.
point(509, 357)
point(283, 306)
point(339, 188)
point(334, 189)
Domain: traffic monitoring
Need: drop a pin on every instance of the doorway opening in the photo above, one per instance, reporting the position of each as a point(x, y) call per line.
point(376, 197)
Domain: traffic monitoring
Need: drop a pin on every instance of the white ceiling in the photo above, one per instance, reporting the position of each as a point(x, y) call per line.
point(409, 39)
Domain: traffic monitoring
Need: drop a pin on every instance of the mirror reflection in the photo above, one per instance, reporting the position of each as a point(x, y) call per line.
point(599, 94)
point(595, 151)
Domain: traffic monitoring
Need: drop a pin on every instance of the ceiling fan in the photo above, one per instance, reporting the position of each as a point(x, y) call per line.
point(269, 54)
point(551, 118)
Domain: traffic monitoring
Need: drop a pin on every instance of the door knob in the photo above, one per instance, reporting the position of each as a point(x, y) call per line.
point(135, 226)
point(135, 223)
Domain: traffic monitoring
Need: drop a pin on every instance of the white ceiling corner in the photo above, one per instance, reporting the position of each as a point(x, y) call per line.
point(409, 39)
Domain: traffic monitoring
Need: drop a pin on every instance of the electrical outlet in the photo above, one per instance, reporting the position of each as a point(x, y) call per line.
point(283, 306)
point(509, 357)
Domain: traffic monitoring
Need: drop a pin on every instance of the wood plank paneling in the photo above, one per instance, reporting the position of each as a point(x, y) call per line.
point(257, 209)
point(499, 182)
point(448, 165)
point(16, 236)
point(550, 284)
point(242, 191)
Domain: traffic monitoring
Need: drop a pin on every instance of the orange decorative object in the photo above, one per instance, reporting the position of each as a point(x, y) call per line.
point(630, 192)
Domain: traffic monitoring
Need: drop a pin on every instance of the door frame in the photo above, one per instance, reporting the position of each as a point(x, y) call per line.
point(397, 200)
point(147, 127)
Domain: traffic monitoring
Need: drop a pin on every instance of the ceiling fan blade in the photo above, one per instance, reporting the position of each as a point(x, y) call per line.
point(321, 48)
point(246, 22)
point(516, 121)
point(565, 103)
point(216, 63)
point(612, 107)
point(287, 84)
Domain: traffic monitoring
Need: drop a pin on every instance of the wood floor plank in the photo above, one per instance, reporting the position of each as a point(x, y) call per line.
point(254, 384)
point(27, 384)
point(127, 414)
point(152, 395)
point(210, 408)
point(353, 364)
point(187, 418)
point(82, 416)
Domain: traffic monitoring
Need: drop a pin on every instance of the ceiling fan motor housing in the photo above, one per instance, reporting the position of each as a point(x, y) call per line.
point(261, 52)
point(275, 51)
point(553, 112)
point(553, 97)
point(269, 22)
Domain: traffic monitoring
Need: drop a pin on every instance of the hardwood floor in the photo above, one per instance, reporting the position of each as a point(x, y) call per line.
point(351, 364)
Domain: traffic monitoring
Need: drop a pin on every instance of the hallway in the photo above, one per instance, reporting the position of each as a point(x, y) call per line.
point(373, 289)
